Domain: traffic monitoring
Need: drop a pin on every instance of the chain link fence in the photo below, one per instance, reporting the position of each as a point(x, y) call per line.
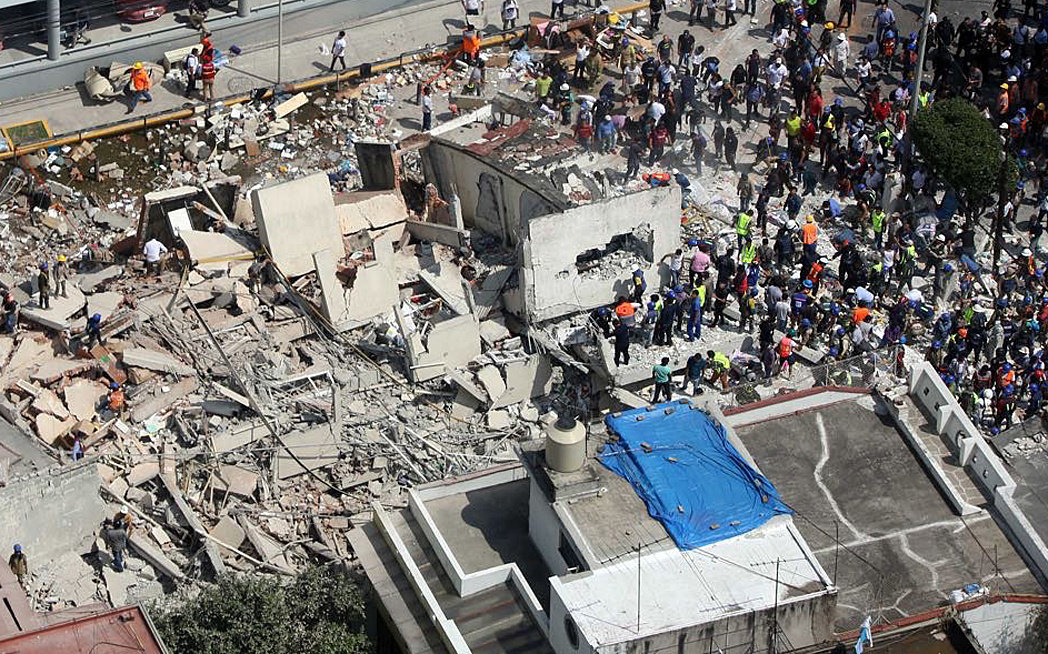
point(864, 370)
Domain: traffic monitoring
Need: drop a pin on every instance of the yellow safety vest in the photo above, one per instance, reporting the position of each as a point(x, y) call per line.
point(742, 224)
point(749, 253)
point(877, 218)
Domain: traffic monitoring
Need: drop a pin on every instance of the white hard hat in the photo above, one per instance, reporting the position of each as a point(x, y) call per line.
point(1027, 252)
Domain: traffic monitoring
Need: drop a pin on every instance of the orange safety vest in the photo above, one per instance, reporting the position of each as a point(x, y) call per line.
point(808, 233)
point(860, 314)
point(785, 347)
point(471, 44)
point(624, 309)
point(140, 80)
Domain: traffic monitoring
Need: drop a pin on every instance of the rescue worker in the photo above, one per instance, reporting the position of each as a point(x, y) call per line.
point(140, 85)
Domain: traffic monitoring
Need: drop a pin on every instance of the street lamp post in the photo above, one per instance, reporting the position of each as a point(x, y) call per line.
point(280, 37)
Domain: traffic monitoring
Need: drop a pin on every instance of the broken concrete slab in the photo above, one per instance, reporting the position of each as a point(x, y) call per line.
point(238, 437)
point(178, 503)
point(143, 472)
point(465, 382)
point(296, 219)
point(47, 402)
point(267, 548)
point(104, 304)
point(50, 429)
point(62, 309)
point(526, 379)
point(332, 293)
point(143, 410)
point(493, 330)
point(447, 282)
point(491, 379)
point(498, 420)
point(464, 405)
point(374, 293)
point(436, 233)
point(291, 104)
point(88, 282)
point(234, 480)
point(82, 397)
point(141, 357)
point(369, 211)
point(54, 369)
point(213, 250)
point(316, 448)
point(228, 532)
point(117, 585)
point(449, 344)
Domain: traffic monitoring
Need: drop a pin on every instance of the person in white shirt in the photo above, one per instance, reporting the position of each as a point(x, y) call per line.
point(338, 51)
point(427, 108)
point(581, 53)
point(152, 251)
point(557, 6)
point(472, 8)
point(510, 12)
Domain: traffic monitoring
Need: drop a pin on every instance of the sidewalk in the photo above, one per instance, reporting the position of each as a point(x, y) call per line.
point(431, 24)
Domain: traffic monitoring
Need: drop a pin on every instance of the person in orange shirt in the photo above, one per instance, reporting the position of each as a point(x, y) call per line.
point(859, 314)
point(471, 43)
point(809, 236)
point(140, 84)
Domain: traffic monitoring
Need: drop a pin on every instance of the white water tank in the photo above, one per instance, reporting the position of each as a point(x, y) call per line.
point(565, 444)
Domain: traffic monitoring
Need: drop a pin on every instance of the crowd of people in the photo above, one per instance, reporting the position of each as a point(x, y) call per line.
point(844, 242)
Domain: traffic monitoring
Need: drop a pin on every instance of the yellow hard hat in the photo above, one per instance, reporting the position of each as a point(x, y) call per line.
point(613, 18)
point(138, 65)
point(829, 25)
point(809, 218)
point(61, 258)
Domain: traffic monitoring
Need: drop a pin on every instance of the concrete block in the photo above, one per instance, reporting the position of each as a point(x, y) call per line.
point(47, 402)
point(316, 448)
point(213, 250)
point(82, 397)
point(449, 344)
point(50, 429)
point(161, 402)
point(369, 211)
point(296, 219)
point(498, 420)
point(104, 304)
point(228, 532)
point(437, 233)
point(239, 437)
point(374, 292)
point(53, 370)
point(491, 379)
point(235, 480)
point(140, 357)
point(143, 472)
point(291, 104)
point(446, 281)
point(332, 293)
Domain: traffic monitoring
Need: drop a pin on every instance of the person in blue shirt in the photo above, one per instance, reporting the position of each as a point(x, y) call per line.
point(695, 316)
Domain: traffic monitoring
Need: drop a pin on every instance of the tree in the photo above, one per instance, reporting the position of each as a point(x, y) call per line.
point(321, 611)
point(963, 148)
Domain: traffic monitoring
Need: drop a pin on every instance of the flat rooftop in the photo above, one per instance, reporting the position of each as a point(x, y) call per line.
point(849, 474)
point(488, 527)
point(679, 588)
point(1025, 453)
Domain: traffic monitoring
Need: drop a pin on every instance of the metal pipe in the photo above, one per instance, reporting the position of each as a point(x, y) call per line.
point(54, 29)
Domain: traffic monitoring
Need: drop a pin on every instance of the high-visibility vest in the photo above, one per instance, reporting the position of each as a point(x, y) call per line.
point(722, 360)
point(749, 253)
point(742, 224)
point(922, 99)
point(877, 218)
point(793, 126)
point(623, 310)
point(809, 233)
point(701, 288)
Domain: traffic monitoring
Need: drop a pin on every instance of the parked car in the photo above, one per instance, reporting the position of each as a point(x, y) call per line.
point(140, 11)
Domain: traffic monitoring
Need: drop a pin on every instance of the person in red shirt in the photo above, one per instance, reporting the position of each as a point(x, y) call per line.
point(208, 70)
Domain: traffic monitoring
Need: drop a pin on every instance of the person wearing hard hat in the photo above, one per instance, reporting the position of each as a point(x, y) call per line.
point(93, 331)
point(140, 84)
point(60, 273)
point(809, 236)
point(19, 564)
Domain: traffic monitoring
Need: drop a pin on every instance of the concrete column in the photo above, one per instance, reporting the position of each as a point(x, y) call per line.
point(54, 19)
point(242, 8)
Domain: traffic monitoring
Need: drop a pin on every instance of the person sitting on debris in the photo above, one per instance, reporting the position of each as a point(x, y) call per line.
point(153, 251)
point(93, 331)
point(19, 564)
point(43, 283)
point(10, 314)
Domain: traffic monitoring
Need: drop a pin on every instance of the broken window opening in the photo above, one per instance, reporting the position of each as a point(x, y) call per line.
point(623, 253)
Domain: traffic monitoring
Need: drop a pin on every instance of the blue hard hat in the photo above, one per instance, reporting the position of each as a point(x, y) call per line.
point(947, 267)
point(834, 351)
point(840, 331)
point(1023, 152)
point(603, 311)
point(807, 283)
point(936, 345)
point(805, 323)
point(18, 548)
point(97, 316)
point(114, 385)
point(902, 340)
point(949, 379)
point(783, 156)
point(994, 431)
point(1007, 367)
point(693, 242)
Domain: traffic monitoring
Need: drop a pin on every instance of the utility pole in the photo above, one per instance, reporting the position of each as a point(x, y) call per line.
point(280, 37)
point(638, 587)
point(915, 101)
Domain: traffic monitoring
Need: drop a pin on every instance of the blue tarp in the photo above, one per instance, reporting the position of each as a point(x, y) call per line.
point(693, 481)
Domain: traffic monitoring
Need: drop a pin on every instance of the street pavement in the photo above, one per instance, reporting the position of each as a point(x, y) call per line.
point(387, 34)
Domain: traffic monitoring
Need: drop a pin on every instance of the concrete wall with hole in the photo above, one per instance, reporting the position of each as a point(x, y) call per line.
point(554, 283)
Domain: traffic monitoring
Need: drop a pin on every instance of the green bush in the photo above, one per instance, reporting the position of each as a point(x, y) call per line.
point(962, 148)
point(321, 612)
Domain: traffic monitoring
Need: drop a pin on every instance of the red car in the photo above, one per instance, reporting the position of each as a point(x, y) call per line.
point(140, 11)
